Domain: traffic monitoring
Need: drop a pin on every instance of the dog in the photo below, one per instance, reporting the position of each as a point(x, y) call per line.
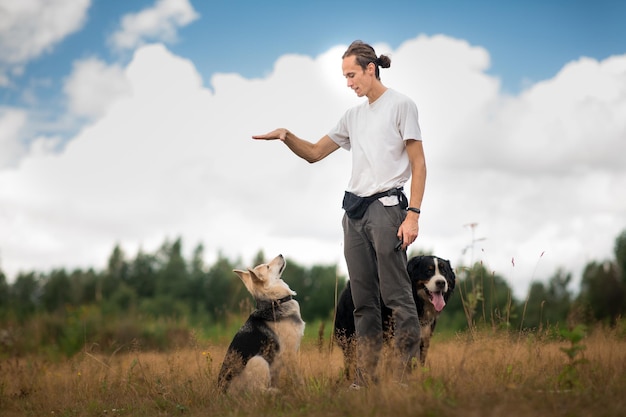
point(433, 281)
point(270, 338)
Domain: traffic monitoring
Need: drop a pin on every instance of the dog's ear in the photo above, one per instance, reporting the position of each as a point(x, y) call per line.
point(248, 281)
point(245, 277)
point(254, 277)
point(242, 274)
point(413, 264)
point(448, 272)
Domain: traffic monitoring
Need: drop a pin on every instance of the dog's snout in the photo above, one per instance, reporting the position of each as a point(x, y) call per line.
point(441, 284)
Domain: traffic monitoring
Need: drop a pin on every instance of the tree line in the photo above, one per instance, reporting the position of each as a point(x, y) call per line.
point(158, 298)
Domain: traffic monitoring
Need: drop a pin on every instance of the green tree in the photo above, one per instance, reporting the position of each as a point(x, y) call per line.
point(84, 285)
point(197, 278)
point(116, 273)
point(602, 291)
point(223, 291)
point(24, 295)
point(142, 275)
point(548, 304)
point(172, 277)
point(620, 255)
point(4, 295)
point(485, 298)
point(56, 291)
point(123, 300)
point(315, 288)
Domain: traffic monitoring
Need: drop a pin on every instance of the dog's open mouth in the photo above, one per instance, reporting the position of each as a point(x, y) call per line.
point(437, 299)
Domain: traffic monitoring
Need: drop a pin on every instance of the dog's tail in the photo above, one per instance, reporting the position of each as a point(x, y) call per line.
point(231, 367)
point(223, 379)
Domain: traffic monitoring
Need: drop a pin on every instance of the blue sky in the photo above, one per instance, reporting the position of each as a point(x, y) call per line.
point(130, 121)
point(527, 40)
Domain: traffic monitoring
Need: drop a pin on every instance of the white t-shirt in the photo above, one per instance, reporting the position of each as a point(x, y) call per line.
point(376, 134)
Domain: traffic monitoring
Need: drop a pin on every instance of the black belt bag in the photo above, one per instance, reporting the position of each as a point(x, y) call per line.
point(356, 206)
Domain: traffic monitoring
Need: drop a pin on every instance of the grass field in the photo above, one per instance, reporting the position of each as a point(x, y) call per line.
point(470, 374)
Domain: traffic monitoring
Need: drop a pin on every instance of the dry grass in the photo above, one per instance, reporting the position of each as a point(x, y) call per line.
point(485, 375)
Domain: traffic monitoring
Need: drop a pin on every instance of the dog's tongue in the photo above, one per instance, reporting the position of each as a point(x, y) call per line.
point(438, 301)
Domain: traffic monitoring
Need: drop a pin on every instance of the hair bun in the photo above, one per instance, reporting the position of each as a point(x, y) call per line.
point(383, 61)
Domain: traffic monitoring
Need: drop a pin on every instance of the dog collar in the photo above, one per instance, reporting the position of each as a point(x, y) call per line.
point(267, 305)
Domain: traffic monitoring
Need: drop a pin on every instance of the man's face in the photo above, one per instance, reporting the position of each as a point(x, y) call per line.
point(359, 80)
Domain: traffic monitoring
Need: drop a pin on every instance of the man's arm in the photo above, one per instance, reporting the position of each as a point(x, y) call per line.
point(409, 229)
point(311, 152)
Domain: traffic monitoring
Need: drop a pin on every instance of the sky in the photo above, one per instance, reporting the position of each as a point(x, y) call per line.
point(129, 123)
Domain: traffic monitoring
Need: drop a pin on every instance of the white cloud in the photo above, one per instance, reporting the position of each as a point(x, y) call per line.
point(12, 122)
point(29, 28)
point(568, 124)
point(155, 24)
point(15, 126)
point(173, 157)
point(93, 85)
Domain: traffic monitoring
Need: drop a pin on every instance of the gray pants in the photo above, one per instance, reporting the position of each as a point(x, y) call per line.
point(376, 270)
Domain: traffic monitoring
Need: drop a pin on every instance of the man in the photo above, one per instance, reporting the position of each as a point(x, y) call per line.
point(384, 136)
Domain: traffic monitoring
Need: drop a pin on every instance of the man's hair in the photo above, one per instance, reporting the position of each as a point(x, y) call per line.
point(365, 54)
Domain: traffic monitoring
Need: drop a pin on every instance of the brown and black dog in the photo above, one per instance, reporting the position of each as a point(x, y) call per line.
point(269, 340)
